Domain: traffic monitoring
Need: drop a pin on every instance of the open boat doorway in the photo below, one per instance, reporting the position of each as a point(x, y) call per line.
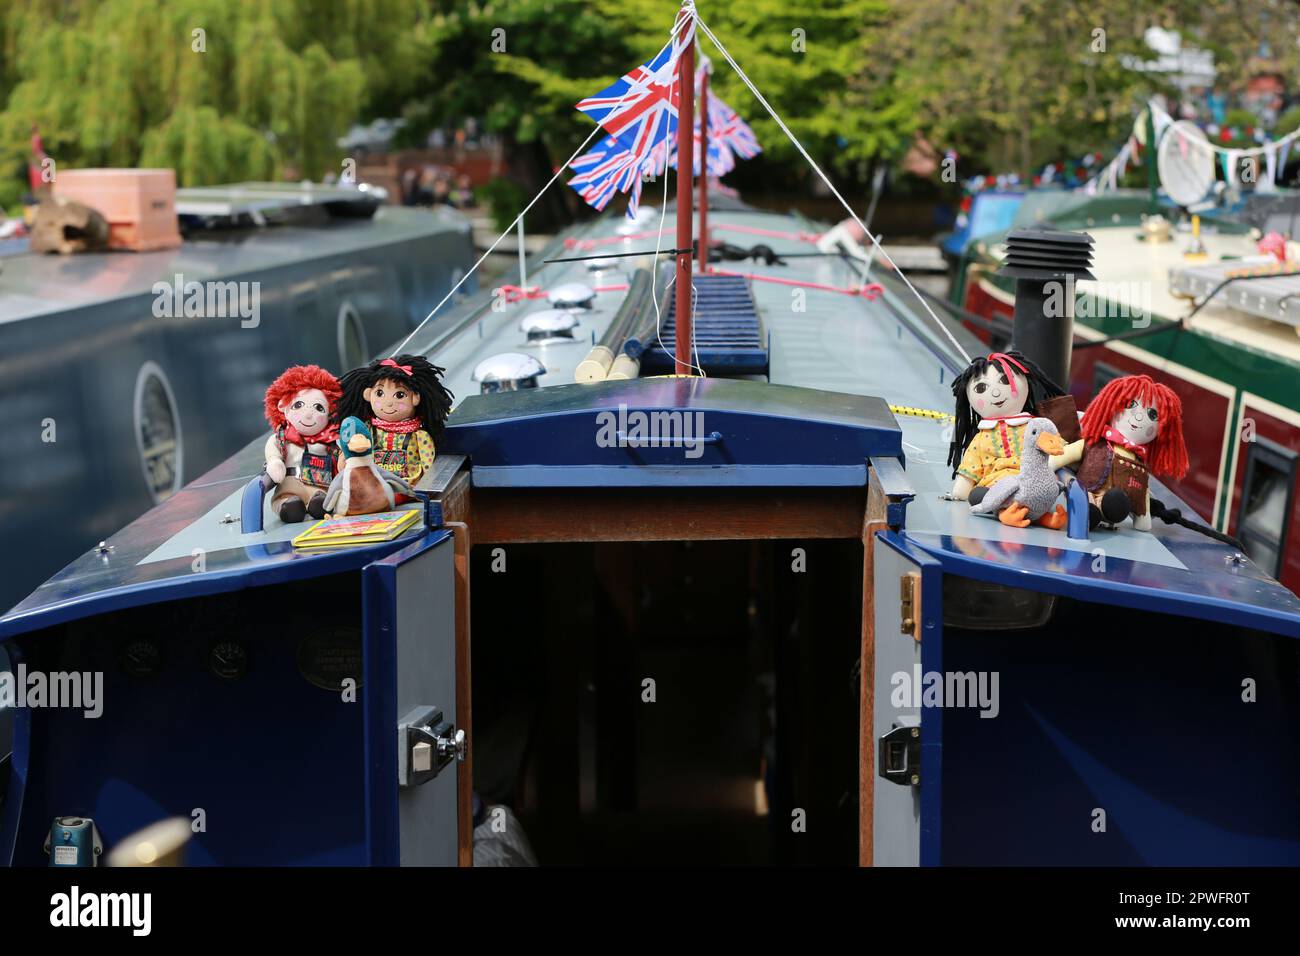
point(659, 702)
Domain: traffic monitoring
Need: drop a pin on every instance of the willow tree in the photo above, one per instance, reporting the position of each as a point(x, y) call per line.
point(219, 90)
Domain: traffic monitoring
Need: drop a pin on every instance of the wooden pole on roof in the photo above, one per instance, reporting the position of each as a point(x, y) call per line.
point(704, 173)
point(685, 154)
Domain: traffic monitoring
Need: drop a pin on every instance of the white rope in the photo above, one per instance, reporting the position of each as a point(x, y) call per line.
point(831, 186)
point(491, 248)
point(519, 218)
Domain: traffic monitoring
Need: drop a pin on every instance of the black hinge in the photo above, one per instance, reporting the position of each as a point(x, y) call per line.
point(900, 756)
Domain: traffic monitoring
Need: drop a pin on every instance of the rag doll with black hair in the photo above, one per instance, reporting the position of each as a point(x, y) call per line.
point(996, 396)
point(405, 404)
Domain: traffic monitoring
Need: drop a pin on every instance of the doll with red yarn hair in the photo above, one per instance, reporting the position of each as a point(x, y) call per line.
point(1132, 429)
point(300, 454)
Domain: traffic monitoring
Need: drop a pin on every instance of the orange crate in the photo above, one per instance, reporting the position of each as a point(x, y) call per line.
point(139, 204)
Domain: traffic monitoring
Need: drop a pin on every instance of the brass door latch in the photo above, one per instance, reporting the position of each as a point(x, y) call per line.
point(910, 605)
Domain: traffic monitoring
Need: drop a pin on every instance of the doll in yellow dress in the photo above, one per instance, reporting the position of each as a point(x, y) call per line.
point(405, 403)
point(996, 396)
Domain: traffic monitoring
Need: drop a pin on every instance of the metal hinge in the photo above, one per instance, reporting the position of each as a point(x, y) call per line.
point(910, 605)
point(900, 756)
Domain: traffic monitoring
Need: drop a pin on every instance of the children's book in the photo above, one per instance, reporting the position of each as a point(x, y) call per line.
point(357, 529)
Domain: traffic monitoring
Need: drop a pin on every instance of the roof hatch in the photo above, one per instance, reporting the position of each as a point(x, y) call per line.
point(672, 431)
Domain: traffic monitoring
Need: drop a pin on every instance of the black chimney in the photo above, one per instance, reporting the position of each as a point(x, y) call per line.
point(1046, 263)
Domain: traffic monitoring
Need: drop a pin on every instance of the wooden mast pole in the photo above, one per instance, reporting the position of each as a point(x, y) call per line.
point(685, 155)
point(704, 173)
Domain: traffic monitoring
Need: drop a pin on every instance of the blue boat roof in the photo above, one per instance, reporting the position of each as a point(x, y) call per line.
point(837, 361)
point(37, 285)
point(139, 569)
point(672, 431)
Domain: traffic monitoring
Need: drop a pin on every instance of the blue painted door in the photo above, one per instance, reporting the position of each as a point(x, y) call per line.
point(412, 737)
point(908, 625)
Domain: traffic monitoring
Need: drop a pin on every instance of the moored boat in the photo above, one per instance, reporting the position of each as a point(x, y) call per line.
point(1214, 329)
point(158, 348)
point(734, 614)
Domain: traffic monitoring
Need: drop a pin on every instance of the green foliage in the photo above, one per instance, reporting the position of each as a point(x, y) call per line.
point(1288, 121)
point(263, 86)
point(1239, 119)
point(504, 198)
point(805, 59)
point(205, 147)
point(1014, 84)
point(1008, 84)
point(558, 51)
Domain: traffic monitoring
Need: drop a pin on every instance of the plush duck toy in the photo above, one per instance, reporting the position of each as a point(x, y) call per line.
point(1030, 495)
point(361, 487)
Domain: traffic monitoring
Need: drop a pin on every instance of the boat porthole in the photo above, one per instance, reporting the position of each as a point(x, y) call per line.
point(353, 350)
point(158, 432)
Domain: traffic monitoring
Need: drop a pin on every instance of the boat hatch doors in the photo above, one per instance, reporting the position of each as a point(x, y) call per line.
point(413, 740)
point(907, 624)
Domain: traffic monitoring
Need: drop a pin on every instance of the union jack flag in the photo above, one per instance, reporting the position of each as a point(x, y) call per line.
point(596, 154)
point(606, 170)
point(730, 129)
point(640, 109)
point(640, 114)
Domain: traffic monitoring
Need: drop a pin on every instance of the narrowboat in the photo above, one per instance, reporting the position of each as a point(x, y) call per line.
point(121, 387)
point(1213, 327)
point(698, 574)
point(719, 641)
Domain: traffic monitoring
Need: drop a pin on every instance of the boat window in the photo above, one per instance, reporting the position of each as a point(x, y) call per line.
point(982, 606)
point(1267, 494)
point(158, 432)
point(353, 350)
point(1103, 375)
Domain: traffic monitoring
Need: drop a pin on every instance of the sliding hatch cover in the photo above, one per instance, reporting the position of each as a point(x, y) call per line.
point(413, 740)
point(671, 432)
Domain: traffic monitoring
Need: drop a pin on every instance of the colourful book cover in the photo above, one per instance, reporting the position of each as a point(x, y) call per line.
point(357, 529)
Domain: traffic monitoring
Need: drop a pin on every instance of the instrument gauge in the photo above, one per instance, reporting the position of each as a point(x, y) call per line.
point(228, 659)
point(142, 657)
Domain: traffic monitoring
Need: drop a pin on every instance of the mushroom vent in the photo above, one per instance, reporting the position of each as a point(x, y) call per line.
point(1041, 253)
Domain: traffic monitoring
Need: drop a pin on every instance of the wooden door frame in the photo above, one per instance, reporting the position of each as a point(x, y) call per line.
point(588, 515)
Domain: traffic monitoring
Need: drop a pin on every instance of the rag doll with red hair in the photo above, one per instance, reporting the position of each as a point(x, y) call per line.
point(301, 454)
point(1131, 430)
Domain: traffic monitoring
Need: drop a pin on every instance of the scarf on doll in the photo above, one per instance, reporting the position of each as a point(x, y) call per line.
point(1115, 438)
point(404, 427)
point(327, 437)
